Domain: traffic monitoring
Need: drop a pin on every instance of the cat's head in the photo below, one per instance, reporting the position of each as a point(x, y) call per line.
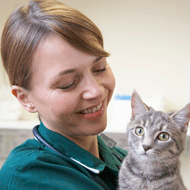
point(155, 134)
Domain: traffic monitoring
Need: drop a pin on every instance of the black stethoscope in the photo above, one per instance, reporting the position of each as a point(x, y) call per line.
point(40, 139)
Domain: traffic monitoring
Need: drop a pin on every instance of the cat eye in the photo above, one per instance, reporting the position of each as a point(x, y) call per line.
point(139, 131)
point(163, 136)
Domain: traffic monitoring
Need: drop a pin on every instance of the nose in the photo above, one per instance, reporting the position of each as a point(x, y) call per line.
point(146, 147)
point(92, 88)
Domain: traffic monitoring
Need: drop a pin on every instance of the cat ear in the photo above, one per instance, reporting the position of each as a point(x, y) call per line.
point(137, 105)
point(182, 117)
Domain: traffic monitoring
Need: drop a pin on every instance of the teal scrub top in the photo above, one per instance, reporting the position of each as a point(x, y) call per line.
point(33, 165)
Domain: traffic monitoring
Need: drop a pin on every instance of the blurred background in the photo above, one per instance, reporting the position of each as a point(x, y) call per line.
point(149, 42)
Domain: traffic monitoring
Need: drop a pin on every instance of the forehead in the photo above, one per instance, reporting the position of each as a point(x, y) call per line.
point(157, 119)
point(56, 49)
point(55, 54)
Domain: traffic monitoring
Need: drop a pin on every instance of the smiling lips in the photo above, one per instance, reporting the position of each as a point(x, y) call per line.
point(91, 110)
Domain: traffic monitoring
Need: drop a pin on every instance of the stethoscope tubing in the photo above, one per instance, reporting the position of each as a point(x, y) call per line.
point(43, 141)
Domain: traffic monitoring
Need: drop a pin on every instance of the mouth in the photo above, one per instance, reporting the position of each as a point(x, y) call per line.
point(90, 110)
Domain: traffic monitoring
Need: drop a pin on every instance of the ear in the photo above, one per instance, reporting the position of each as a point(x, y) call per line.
point(182, 117)
point(22, 96)
point(137, 105)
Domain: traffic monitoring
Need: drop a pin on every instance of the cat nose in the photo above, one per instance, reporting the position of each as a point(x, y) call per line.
point(146, 147)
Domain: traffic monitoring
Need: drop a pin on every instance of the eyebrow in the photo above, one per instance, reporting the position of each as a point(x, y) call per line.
point(73, 70)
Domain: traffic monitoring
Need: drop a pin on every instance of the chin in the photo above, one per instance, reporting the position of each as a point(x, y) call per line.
point(100, 131)
point(97, 130)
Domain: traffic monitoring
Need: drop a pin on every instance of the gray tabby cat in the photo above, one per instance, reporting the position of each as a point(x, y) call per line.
point(155, 140)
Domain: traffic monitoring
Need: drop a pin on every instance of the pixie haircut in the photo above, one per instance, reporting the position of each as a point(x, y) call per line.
point(28, 25)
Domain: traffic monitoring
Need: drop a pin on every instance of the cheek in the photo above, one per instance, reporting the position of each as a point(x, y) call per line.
point(63, 104)
point(134, 141)
point(169, 147)
point(111, 78)
point(110, 83)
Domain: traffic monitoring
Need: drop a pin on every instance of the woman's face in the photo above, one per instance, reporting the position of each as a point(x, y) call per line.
point(70, 89)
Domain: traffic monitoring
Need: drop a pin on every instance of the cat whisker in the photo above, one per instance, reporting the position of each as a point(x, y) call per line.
point(155, 143)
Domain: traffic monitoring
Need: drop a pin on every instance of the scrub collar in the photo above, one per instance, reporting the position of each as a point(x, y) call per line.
point(78, 154)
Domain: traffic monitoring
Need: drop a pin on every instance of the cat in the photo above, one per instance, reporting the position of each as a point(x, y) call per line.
point(156, 140)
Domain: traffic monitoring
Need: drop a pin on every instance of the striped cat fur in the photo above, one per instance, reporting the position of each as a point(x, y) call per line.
point(155, 141)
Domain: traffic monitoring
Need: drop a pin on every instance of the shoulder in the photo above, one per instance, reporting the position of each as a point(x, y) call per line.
point(30, 166)
point(120, 152)
point(109, 146)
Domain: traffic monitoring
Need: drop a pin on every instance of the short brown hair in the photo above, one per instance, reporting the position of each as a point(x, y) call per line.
point(28, 25)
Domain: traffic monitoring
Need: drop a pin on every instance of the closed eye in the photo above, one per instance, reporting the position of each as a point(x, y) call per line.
point(100, 70)
point(67, 87)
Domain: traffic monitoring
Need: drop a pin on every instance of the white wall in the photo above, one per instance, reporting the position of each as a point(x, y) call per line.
point(150, 45)
point(149, 41)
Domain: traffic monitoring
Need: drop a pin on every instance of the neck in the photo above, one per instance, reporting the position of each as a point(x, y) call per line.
point(89, 143)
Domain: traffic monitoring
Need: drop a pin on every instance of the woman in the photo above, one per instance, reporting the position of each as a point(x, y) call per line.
point(57, 67)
